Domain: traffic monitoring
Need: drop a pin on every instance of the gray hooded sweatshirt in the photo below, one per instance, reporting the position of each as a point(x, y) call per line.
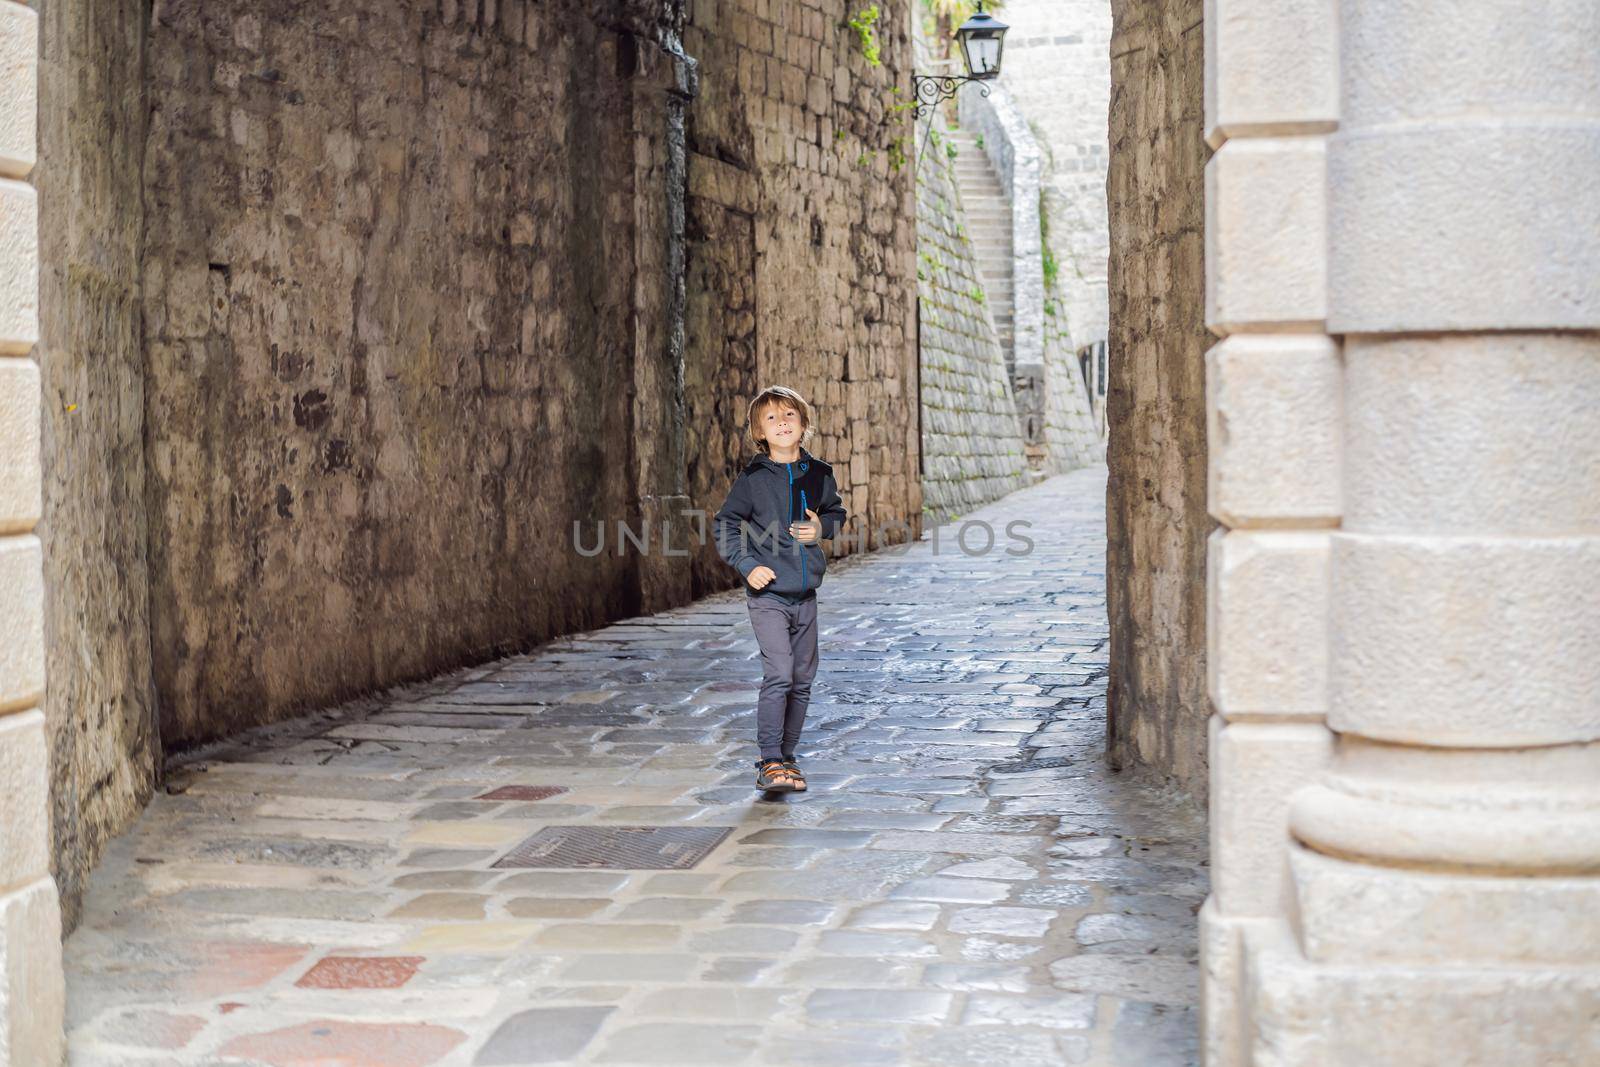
point(752, 527)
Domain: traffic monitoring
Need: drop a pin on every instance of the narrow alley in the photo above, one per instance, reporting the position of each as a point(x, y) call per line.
point(964, 884)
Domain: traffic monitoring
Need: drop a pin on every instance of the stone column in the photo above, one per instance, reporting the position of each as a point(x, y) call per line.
point(1434, 896)
point(31, 988)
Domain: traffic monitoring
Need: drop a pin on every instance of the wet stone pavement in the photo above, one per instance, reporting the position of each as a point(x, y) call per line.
point(965, 884)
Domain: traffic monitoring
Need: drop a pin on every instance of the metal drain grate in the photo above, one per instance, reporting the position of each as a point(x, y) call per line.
point(620, 848)
point(524, 792)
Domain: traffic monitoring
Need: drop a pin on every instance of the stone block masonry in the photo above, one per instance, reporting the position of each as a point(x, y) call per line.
point(801, 232)
point(100, 705)
point(1043, 357)
point(1057, 68)
point(1405, 831)
point(1156, 518)
point(389, 309)
point(971, 432)
point(32, 993)
point(356, 310)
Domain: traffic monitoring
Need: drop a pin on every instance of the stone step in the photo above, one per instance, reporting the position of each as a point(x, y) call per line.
point(988, 220)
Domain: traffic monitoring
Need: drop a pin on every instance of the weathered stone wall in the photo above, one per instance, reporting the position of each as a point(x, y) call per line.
point(971, 432)
point(348, 388)
point(801, 204)
point(363, 307)
point(389, 304)
point(1067, 437)
point(1072, 439)
point(100, 706)
point(1156, 515)
point(1056, 67)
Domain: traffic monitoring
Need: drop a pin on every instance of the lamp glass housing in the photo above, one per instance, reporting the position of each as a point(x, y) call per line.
point(982, 37)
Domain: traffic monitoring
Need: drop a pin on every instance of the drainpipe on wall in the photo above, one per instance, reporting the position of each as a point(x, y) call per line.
point(665, 81)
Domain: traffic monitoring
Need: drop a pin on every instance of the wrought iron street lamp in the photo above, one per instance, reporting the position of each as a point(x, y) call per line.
point(981, 38)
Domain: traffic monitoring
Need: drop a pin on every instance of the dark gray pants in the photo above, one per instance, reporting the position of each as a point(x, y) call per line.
point(787, 634)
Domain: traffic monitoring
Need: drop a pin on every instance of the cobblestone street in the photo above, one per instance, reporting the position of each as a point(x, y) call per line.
point(965, 883)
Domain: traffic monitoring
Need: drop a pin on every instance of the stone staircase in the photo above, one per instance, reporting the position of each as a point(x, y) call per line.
point(988, 211)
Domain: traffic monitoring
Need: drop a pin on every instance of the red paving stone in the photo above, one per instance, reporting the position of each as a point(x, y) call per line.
point(234, 966)
point(524, 792)
point(336, 1043)
point(361, 972)
point(153, 1029)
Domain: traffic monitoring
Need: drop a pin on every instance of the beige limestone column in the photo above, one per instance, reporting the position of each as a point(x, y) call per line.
point(31, 988)
point(1436, 897)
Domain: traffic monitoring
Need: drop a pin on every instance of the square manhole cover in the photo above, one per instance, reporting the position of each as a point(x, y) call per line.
point(523, 792)
point(622, 848)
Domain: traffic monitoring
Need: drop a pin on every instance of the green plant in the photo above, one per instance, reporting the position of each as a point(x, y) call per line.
point(979, 140)
point(950, 151)
point(864, 23)
point(1051, 267)
point(976, 292)
point(897, 153)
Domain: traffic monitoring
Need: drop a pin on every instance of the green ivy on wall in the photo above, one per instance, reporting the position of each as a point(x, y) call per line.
point(865, 22)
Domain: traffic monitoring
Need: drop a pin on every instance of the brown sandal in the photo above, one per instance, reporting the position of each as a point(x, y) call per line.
point(793, 770)
point(773, 777)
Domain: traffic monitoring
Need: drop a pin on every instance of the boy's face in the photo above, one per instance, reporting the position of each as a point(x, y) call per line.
point(780, 425)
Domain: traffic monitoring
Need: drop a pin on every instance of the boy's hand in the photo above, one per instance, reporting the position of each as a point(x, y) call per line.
point(808, 532)
point(760, 577)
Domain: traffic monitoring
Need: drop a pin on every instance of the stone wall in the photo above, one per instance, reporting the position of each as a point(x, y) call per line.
point(100, 706)
point(1066, 437)
point(971, 432)
point(801, 204)
point(1156, 516)
point(388, 319)
point(1056, 67)
point(357, 310)
point(32, 990)
point(1072, 439)
point(1403, 271)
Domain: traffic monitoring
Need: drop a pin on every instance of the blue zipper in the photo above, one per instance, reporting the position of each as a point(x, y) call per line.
point(801, 549)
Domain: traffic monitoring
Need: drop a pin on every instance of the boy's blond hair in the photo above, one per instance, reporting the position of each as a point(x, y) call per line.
point(778, 394)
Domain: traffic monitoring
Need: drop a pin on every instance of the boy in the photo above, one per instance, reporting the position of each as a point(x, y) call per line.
point(783, 503)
